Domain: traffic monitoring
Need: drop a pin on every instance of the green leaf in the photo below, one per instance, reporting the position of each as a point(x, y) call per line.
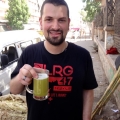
point(92, 7)
point(17, 14)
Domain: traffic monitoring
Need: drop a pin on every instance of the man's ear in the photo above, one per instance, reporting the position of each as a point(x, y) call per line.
point(69, 20)
point(40, 20)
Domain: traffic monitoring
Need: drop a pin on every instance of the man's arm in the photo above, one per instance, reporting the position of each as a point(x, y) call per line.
point(16, 87)
point(17, 84)
point(87, 104)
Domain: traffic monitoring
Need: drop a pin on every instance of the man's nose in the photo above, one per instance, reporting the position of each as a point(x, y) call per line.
point(55, 25)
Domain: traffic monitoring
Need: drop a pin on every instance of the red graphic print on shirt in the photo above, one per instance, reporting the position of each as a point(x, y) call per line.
point(59, 79)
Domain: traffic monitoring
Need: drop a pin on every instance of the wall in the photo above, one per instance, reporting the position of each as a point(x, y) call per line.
point(34, 11)
point(103, 2)
point(108, 62)
point(3, 7)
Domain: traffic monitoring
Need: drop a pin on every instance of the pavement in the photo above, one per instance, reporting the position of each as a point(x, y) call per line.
point(110, 110)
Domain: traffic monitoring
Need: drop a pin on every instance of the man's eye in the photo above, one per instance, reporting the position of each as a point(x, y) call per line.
point(48, 19)
point(62, 20)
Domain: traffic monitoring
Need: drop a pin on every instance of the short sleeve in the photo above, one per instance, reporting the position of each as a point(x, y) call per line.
point(90, 80)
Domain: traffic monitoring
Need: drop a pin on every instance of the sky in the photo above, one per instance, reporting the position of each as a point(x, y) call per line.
point(75, 6)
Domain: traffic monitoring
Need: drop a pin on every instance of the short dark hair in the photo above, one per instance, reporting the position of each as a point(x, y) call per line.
point(56, 3)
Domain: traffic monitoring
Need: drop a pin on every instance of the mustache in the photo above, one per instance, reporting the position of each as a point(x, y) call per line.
point(55, 31)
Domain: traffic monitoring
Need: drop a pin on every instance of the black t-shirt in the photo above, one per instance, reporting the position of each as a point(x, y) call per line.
point(70, 73)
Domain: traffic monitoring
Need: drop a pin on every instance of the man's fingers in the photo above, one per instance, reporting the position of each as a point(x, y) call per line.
point(40, 70)
point(29, 71)
point(26, 74)
point(26, 81)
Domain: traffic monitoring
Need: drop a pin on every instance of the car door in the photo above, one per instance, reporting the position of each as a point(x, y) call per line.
point(5, 71)
point(13, 51)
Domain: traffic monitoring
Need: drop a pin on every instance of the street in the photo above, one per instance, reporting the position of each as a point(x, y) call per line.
point(110, 111)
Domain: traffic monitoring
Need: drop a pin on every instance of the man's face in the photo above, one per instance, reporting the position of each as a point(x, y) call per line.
point(55, 23)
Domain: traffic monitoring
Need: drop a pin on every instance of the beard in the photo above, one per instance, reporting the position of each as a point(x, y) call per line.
point(55, 40)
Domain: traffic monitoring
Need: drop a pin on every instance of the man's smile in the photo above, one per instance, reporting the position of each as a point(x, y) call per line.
point(55, 34)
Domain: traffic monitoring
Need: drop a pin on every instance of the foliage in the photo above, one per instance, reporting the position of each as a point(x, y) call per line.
point(17, 14)
point(92, 7)
point(84, 14)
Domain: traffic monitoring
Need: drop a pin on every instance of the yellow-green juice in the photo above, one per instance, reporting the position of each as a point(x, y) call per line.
point(41, 85)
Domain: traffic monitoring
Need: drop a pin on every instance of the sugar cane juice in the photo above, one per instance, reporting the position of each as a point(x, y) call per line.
point(41, 85)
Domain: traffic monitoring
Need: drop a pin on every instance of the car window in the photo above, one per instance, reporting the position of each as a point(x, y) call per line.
point(36, 40)
point(11, 52)
point(23, 45)
point(0, 60)
point(2, 53)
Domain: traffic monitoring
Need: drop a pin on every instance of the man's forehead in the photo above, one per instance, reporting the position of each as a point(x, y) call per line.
point(50, 10)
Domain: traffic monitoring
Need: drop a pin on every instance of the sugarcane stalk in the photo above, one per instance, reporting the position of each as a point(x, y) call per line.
point(104, 101)
point(107, 94)
point(112, 84)
point(110, 91)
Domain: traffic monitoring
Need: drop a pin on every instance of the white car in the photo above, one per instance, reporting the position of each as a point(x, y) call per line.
point(12, 43)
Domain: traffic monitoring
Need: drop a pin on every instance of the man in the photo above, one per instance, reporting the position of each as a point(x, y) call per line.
point(72, 79)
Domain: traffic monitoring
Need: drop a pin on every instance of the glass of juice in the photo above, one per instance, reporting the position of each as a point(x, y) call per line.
point(40, 86)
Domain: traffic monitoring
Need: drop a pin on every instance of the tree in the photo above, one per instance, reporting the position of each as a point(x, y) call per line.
point(84, 14)
point(17, 14)
point(92, 7)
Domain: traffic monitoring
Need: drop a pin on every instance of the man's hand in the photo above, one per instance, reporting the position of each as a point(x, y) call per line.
point(26, 74)
point(24, 77)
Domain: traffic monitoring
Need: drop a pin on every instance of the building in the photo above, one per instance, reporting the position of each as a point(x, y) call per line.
point(106, 28)
point(34, 9)
point(3, 7)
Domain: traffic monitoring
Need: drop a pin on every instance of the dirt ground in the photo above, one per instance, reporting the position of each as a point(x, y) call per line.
point(110, 110)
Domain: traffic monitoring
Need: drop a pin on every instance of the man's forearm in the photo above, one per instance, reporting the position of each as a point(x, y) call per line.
point(15, 86)
point(88, 96)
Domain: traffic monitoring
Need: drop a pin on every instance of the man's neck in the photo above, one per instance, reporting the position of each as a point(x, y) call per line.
point(55, 49)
